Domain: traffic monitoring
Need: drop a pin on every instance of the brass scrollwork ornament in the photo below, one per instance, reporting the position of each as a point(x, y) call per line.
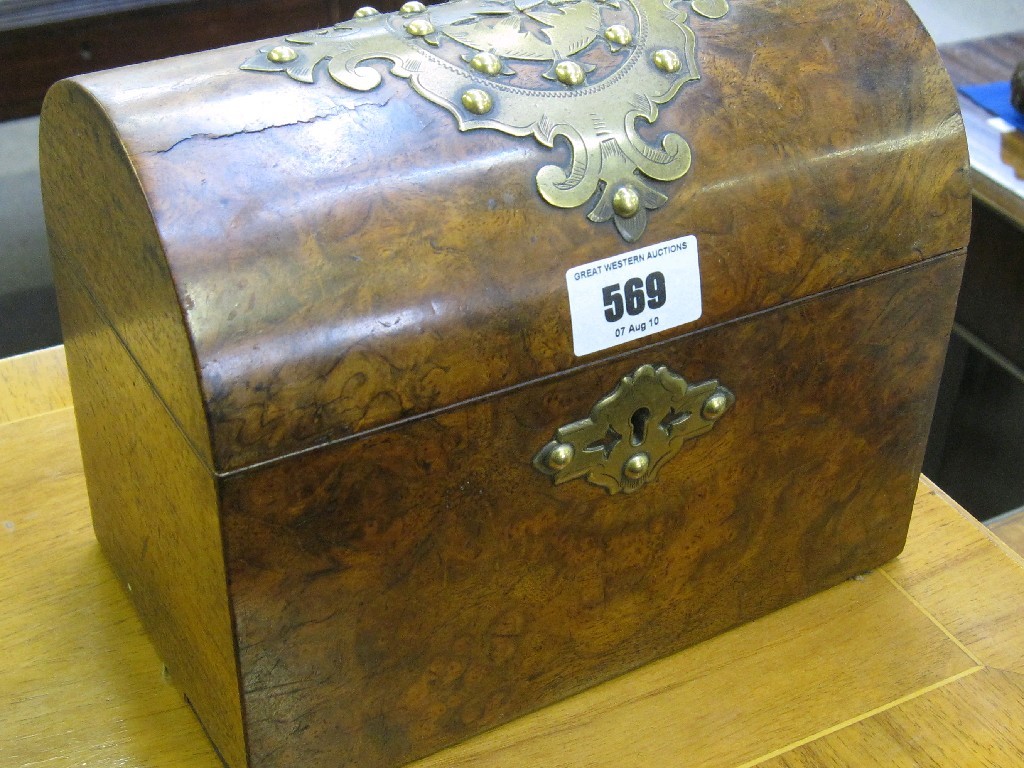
point(633, 431)
point(583, 70)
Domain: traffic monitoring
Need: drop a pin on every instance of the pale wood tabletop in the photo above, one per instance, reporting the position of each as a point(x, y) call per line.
point(919, 663)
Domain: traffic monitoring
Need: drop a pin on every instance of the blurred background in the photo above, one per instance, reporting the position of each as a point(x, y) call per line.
point(977, 448)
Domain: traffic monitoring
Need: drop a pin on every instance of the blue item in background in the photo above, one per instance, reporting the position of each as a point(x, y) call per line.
point(995, 97)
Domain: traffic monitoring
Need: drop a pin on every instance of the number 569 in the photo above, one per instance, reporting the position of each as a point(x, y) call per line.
point(633, 298)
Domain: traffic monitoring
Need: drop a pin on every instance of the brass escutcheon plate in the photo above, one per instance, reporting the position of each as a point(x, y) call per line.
point(633, 431)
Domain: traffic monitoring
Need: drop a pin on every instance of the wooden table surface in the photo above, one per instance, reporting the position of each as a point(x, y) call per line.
point(997, 151)
point(919, 663)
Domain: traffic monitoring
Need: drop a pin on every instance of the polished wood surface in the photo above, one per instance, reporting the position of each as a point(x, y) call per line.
point(997, 153)
point(917, 663)
point(320, 304)
point(327, 337)
point(424, 582)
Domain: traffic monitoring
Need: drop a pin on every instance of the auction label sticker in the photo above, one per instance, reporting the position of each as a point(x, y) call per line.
point(635, 294)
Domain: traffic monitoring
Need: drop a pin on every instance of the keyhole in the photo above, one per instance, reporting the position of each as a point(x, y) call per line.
point(639, 421)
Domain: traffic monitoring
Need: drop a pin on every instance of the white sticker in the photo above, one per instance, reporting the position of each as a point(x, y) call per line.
point(635, 294)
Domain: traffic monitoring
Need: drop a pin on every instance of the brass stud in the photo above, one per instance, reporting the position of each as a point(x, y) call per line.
point(477, 101)
point(419, 27)
point(713, 9)
point(715, 406)
point(282, 54)
point(561, 456)
point(413, 6)
point(618, 34)
point(637, 465)
point(667, 61)
point(626, 202)
point(569, 73)
point(486, 63)
point(366, 10)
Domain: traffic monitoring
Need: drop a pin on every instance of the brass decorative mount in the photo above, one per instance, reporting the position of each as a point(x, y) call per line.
point(633, 431)
point(582, 70)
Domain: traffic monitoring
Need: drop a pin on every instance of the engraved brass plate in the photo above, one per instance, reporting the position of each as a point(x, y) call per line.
point(582, 70)
point(632, 432)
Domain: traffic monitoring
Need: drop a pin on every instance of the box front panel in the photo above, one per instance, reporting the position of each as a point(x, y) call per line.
point(403, 591)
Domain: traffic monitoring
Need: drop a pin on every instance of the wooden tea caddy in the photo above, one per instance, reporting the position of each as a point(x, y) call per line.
point(436, 366)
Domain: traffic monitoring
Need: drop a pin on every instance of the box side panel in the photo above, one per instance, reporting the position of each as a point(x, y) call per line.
point(403, 591)
point(98, 219)
point(155, 513)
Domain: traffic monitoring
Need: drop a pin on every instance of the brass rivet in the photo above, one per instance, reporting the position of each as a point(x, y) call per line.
point(569, 73)
point(715, 406)
point(713, 9)
point(282, 54)
point(486, 63)
point(637, 466)
point(477, 101)
point(413, 6)
point(618, 34)
point(667, 61)
point(419, 27)
point(560, 456)
point(626, 201)
point(366, 10)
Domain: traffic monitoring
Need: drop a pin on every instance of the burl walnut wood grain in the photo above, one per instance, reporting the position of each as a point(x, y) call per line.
point(345, 260)
point(253, 268)
point(398, 592)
